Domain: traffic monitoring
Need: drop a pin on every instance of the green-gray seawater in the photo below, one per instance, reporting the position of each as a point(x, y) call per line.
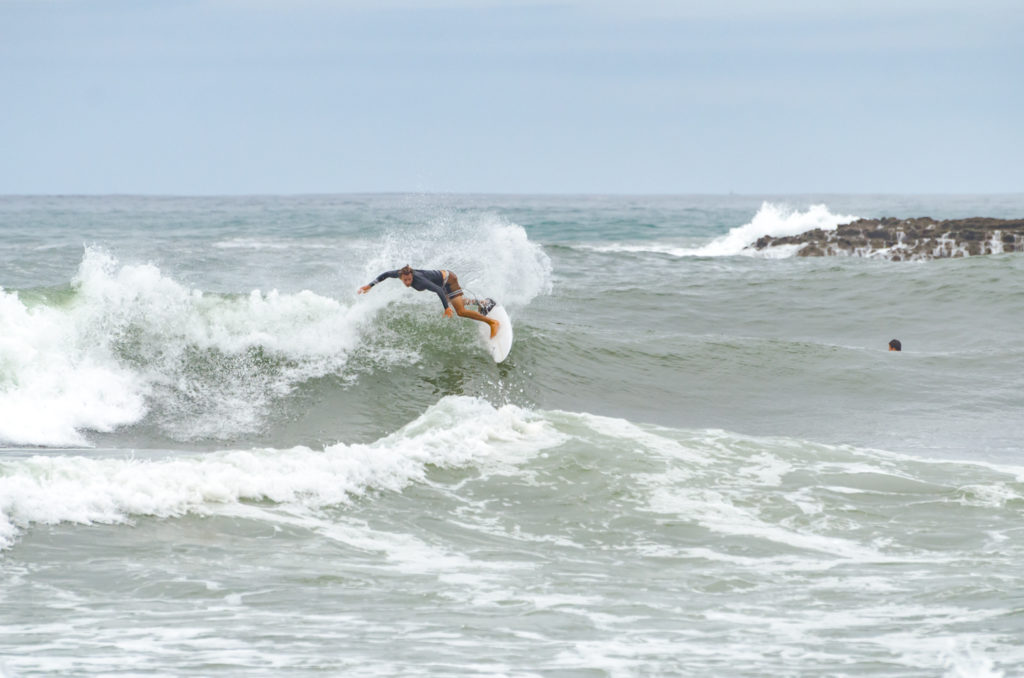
point(218, 460)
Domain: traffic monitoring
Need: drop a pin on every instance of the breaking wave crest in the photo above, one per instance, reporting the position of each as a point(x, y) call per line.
point(77, 489)
point(776, 220)
point(123, 343)
point(780, 491)
point(98, 355)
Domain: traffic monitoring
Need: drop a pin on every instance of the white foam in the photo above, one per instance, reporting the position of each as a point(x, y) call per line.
point(299, 325)
point(651, 438)
point(92, 363)
point(963, 660)
point(55, 379)
point(132, 341)
point(491, 256)
point(456, 432)
point(995, 245)
point(776, 220)
point(993, 495)
point(721, 513)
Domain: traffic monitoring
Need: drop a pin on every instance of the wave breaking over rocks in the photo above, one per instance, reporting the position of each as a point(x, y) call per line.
point(906, 239)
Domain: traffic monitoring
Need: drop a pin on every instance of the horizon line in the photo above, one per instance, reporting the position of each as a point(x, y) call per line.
point(512, 194)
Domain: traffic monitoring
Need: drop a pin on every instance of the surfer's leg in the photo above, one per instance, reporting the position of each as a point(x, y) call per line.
point(460, 308)
point(457, 299)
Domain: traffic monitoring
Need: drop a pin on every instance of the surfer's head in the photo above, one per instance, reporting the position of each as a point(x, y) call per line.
point(405, 275)
point(895, 345)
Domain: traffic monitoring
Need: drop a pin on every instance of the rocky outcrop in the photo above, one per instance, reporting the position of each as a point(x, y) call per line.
point(907, 239)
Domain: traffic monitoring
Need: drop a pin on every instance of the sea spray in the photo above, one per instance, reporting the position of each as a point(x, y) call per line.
point(492, 256)
point(774, 219)
point(57, 378)
point(128, 342)
point(131, 339)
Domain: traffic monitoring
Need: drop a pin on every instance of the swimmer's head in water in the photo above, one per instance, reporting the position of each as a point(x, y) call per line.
point(405, 274)
point(895, 345)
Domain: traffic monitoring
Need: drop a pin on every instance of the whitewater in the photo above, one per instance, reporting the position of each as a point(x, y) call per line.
point(699, 459)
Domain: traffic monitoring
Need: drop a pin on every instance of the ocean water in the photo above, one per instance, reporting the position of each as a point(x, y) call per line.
point(217, 460)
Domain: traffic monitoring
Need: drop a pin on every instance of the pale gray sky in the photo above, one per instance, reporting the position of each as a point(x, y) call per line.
point(778, 96)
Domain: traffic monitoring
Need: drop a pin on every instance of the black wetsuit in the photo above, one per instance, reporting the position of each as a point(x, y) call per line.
point(424, 280)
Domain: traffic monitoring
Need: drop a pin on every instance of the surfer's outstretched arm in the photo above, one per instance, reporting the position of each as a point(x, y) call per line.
point(383, 276)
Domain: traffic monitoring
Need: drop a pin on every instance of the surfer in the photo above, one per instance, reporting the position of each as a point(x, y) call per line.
point(445, 284)
point(895, 345)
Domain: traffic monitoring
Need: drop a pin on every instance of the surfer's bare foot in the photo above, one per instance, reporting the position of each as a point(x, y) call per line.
point(494, 328)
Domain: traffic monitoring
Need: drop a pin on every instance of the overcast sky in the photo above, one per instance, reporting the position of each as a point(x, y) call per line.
point(745, 96)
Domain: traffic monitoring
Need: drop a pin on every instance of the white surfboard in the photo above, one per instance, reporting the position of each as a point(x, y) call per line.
point(501, 344)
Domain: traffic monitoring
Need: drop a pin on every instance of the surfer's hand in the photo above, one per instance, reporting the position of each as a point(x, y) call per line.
point(364, 289)
point(448, 312)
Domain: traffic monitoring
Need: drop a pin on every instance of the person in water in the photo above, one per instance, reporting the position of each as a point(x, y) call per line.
point(445, 284)
point(895, 345)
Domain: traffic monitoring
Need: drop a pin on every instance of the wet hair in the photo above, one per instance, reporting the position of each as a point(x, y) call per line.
point(895, 345)
point(406, 270)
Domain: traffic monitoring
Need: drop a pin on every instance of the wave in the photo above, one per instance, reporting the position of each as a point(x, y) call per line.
point(97, 357)
point(776, 220)
point(127, 343)
point(826, 500)
point(457, 432)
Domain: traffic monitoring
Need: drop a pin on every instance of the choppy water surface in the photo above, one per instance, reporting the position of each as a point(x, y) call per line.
point(218, 460)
